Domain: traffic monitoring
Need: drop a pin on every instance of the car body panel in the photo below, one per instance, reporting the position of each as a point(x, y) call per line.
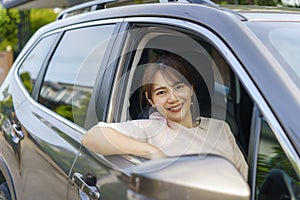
point(42, 142)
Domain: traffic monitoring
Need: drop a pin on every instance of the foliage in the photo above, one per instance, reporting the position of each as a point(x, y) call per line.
point(276, 160)
point(249, 2)
point(9, 20)
point(74, 113)
point(41, 17)
point(266, 2)
point(26, 79)
point(65, 111)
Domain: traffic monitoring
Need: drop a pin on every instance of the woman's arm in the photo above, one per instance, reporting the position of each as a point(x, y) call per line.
point(108, 141)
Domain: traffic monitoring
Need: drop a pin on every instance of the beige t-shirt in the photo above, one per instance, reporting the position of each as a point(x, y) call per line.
point(210, 137)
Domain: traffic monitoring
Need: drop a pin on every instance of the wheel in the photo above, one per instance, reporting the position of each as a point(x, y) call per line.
point(4, 192)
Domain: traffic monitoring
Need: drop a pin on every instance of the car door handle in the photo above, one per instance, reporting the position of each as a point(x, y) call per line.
point(86, 189)
point(16, 133)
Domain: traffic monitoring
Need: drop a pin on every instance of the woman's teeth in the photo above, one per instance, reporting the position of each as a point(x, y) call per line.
point(177, 108)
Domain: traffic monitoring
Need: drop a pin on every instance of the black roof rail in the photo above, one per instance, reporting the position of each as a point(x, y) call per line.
point(202, 2)
point(83, 8)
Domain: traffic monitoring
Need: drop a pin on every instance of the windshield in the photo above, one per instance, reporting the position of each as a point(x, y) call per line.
point(283, 40)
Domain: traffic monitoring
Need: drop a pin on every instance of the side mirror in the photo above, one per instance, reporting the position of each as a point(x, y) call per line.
point(189, 177)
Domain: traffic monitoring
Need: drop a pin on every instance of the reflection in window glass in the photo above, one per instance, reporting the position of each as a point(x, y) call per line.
point(275, 174)
point(72, 71)
point(287, 42)
point(31, 66)
point(283, 41)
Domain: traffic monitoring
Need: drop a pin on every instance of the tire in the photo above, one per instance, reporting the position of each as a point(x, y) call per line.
point(4, 192)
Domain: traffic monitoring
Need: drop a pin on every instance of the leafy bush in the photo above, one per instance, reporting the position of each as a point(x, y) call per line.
point(9, 20)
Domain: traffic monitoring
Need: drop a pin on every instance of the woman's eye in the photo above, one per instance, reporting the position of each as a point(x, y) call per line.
point(158, 93)
point(180, 86)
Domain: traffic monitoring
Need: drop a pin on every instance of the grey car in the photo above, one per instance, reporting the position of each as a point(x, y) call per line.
point(85, 68)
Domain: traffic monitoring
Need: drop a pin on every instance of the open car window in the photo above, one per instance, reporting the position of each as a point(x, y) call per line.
point(216, 85)
point(219, 94)
point(210, 87)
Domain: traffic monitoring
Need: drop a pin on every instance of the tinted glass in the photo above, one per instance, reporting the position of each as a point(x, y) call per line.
point(276, 176)
point(72, 71)
point(32, 64)
point(283, 40)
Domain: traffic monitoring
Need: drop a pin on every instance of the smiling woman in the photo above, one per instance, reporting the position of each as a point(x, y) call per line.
point(168, 90)
point(171, 129)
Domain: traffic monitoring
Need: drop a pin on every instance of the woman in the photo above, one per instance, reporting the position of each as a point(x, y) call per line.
point(172, 129)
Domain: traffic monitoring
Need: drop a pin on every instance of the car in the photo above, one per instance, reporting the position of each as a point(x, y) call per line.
point(84, 68)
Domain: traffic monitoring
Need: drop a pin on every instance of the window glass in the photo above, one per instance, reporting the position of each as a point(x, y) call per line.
point(282, 39)
point(276, 177)
point(72, 71)
point(31, 66)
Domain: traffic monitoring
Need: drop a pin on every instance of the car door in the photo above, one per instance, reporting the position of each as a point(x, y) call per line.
point(144, 41)
point(15, 94)
point(229, 95)
point(90, 170)
point(48, 124)
point(95, 176)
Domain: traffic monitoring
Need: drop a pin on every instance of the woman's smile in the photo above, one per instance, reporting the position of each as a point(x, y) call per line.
point(172, 97)
point(175, 108)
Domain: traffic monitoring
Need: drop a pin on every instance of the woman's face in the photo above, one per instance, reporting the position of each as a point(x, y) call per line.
point(172, 98)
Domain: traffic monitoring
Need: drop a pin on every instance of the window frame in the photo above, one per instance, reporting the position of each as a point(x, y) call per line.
point(33, 99)
point(42, 67)
point(242, 75)
point(55, 66)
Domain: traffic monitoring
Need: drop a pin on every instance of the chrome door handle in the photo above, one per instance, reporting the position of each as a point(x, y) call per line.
point(16, 133)
point(86, 191)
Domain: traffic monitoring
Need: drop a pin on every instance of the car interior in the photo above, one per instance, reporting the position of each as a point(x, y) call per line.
point(219, 93)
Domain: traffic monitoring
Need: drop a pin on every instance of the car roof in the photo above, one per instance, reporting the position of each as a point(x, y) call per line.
point(188, 11)
point(252, 12)
point(266, 13)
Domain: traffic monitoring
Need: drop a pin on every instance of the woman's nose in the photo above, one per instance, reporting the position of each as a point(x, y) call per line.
point(172, 96)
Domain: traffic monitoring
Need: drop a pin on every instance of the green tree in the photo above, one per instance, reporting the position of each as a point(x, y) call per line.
point(266, 2)
point(9, 20)
point(41, 17)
